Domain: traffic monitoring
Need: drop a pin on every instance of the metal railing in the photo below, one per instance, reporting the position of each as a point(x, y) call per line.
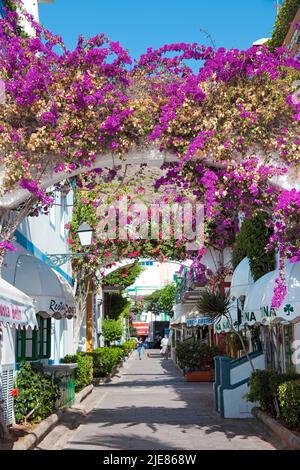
point(187, 282)
point(64, 376)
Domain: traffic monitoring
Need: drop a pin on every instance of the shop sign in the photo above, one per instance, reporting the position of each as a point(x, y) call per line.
point(199, 321)
point(268, 313)
point(224, 326)
point(61, 308)
point(16, 314)
point(10, 312)
point(248, 317)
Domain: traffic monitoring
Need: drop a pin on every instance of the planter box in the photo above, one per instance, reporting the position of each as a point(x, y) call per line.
point(200, 376)
point(287, 438)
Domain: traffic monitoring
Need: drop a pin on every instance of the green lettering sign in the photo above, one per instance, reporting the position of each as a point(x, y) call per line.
point(265, 311)
point(252, 317)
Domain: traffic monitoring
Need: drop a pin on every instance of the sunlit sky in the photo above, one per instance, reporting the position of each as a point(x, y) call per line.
point(138, 24)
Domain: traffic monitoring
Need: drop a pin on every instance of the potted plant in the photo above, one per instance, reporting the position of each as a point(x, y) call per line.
point(196, 359)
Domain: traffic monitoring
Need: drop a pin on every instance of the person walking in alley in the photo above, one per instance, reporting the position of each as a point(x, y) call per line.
point(140, 346)
point(164, 346)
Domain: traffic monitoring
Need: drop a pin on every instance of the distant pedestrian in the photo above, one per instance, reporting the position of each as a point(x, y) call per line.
point(164, 346)
point(140, 348)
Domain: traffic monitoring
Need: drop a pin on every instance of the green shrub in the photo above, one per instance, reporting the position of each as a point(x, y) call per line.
point(37, 391)
point(124, 277)
point(105, 360)
point(251, 242)
point(112, 330)
point(289, 402)
point(84, 370)
point(283, 22)
point(128, 346)
point(264, 388)
point(194, 356)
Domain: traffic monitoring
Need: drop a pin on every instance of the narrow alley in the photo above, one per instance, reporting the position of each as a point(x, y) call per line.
point(149, 406)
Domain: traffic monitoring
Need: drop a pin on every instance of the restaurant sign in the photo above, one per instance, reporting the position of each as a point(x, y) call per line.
point(60, 308)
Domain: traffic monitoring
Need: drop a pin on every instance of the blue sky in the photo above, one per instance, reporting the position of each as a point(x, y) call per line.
point(138, 24)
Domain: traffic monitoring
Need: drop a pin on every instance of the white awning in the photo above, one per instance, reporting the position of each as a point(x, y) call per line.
point(241, 279)
point(179, 320)
point(241, 284)
point(16, 308)
point(253, 311)
point(52, 293)
point(257, 307)
point(290, 309)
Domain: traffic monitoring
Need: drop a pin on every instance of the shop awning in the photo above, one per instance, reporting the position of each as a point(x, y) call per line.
point(52, 294)
point(182, 311)
point(253, 313)
point(241, 279)
point(257, 308)
point(141, 328)
point(241, 284)
point(180, 320)
point(290, 309)
point(16, 308)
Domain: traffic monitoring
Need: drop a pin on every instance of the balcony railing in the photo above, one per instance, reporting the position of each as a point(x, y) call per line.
point(188, 281)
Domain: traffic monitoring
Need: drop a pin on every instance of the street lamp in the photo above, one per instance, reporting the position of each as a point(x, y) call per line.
point(85, 234)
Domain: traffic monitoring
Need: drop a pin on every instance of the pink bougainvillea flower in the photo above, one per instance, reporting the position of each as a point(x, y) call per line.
point(6, 245)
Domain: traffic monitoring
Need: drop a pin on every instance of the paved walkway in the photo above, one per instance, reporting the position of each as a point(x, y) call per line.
point(149, 406)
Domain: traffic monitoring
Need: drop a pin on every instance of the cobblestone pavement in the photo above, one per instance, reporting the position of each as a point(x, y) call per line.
point(149, 406)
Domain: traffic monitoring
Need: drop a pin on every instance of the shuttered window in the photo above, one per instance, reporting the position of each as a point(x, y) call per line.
point(6, 385)
point(36, 344)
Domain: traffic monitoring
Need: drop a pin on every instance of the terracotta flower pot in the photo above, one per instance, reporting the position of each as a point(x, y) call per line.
point(200, 376)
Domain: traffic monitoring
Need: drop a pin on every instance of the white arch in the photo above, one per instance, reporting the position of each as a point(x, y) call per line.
point(150, 156)
point(128, 261)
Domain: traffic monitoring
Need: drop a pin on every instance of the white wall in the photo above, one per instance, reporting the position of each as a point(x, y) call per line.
point(61, 339)
point(98, 340)
point(154, 277)
point(32, 7)
point(7, 353)
point(235, 405)
point(47, 232)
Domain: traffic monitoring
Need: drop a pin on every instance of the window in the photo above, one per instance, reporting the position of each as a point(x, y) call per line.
point(34, 344)
point(2, 11)
point(52, 214)
point(63, 207)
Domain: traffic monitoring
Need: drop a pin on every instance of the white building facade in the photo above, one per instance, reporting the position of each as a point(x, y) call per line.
point(32, 284)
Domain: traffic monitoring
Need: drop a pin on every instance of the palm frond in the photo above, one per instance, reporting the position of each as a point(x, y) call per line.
point(213, 303)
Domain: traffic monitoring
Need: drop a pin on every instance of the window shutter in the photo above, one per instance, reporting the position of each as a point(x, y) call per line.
point(6, 385)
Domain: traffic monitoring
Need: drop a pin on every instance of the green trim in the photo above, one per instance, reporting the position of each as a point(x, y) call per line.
point(37, 338)
point(242, 360)
point(223, 366)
